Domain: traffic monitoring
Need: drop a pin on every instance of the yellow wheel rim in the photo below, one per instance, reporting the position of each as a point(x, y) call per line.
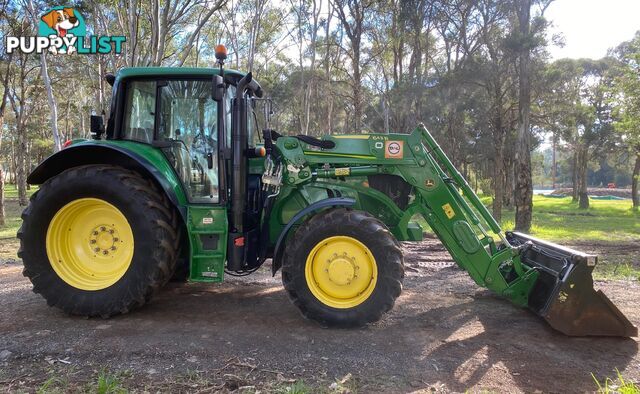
point(341, 272)
point(89, 244)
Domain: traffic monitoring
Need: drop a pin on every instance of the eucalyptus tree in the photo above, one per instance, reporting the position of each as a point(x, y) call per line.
point(627, 83)
point(354, 16)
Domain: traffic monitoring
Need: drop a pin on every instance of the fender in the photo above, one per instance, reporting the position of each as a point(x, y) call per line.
point(316, 206)
point(89, 152)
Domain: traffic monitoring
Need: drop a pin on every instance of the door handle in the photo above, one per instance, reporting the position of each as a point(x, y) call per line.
point(210, 160)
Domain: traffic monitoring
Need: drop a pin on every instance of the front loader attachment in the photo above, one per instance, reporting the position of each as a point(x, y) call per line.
point(553, 281)
point(564, 295)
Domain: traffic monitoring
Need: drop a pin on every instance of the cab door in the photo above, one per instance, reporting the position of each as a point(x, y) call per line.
point(187, 128)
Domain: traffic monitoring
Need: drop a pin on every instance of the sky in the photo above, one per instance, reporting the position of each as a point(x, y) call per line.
point(591, 27)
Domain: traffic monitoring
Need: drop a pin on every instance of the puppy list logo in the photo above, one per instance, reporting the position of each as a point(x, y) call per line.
point(62, 30)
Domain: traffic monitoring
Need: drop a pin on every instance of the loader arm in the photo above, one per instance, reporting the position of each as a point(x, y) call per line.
point(553, 281)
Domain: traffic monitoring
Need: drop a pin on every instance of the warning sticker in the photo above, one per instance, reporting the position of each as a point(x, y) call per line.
point(393, 149)
point(448, 210)
point(207, 220)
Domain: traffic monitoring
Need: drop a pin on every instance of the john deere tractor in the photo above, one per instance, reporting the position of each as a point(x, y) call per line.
point(182, 183)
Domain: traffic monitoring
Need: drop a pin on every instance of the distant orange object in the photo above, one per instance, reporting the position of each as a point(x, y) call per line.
point(611, 185)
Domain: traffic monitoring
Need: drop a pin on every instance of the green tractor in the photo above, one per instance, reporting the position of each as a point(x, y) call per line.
point(182, 184)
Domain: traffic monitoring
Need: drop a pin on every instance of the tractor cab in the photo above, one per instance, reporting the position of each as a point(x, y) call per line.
point(203, 121)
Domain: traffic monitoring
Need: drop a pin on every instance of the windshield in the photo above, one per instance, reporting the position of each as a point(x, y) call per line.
point(189, 119)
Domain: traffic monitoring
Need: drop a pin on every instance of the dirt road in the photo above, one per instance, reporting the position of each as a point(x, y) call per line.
point(445, 334)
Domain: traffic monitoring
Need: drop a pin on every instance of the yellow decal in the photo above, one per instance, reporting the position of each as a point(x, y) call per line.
point(393, 149)
point(343, 171)
point(448, 210)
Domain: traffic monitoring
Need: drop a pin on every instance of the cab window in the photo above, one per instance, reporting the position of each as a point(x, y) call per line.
point(189, 122)
point(139, 111)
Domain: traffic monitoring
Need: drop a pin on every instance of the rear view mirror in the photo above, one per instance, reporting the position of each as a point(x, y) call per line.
point(217, 92)
point(97, 127)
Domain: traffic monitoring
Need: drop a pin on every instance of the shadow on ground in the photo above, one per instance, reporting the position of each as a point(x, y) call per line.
point(444, 334)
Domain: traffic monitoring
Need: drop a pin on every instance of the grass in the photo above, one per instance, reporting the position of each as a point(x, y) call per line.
point(108, 383)
point(558, 219)
point(339, 386)
point(298, 387)
point(607, 269)
point(53, 385)
point(618, 386)
point(104, 383)
point(12, 211)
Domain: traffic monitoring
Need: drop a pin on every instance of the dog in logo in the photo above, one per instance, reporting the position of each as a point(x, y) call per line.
point(61, 21)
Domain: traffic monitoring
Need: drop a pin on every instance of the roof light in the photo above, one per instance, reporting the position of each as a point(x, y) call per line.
point(221, 52)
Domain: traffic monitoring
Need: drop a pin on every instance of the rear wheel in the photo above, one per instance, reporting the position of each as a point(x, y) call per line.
point(343, 268)
point(98, 240)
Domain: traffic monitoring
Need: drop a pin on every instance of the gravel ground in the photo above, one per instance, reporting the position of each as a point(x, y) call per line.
point(445, 334)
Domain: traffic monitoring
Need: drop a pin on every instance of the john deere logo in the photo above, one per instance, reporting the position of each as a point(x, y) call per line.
point(63, 30)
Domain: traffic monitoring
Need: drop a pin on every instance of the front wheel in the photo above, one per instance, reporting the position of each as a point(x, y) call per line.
point(98, 240)
point(343, 268)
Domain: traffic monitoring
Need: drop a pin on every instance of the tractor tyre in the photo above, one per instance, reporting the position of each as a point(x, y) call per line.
point(98, 240)
point(182, 271)
point(343, 268)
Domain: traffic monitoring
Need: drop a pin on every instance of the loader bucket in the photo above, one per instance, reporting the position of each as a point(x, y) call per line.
point(564, 295)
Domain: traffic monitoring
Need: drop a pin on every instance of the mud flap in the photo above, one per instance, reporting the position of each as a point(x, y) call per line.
point(564, 295)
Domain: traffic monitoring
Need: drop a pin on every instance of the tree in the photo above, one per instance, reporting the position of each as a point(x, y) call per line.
point(44, 69)
point(352, 15)
point(627, 83)
point(527, 37)
point(21, 99)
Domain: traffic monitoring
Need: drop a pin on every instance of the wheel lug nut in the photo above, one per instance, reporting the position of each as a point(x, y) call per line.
point(103, 228)
point(111, 231)
point(113, 248)
point(95, 233)
point(93, 241)
point(96, 249)
point(116, 239)
point(105, 252)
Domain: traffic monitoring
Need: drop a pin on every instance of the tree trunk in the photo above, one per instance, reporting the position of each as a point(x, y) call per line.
point(2, 220)
point(509, 181)
point(554, 166)
point(524, 183)
point(53, 107)
point(574, 176)
point(635, 178)
point(583, 196)
point(498, 176)
point(3, 107)
point(21, 170)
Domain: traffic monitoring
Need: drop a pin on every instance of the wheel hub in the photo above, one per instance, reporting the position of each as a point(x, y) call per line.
point(103, 239)
point(341, 272)
point(89, 244)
